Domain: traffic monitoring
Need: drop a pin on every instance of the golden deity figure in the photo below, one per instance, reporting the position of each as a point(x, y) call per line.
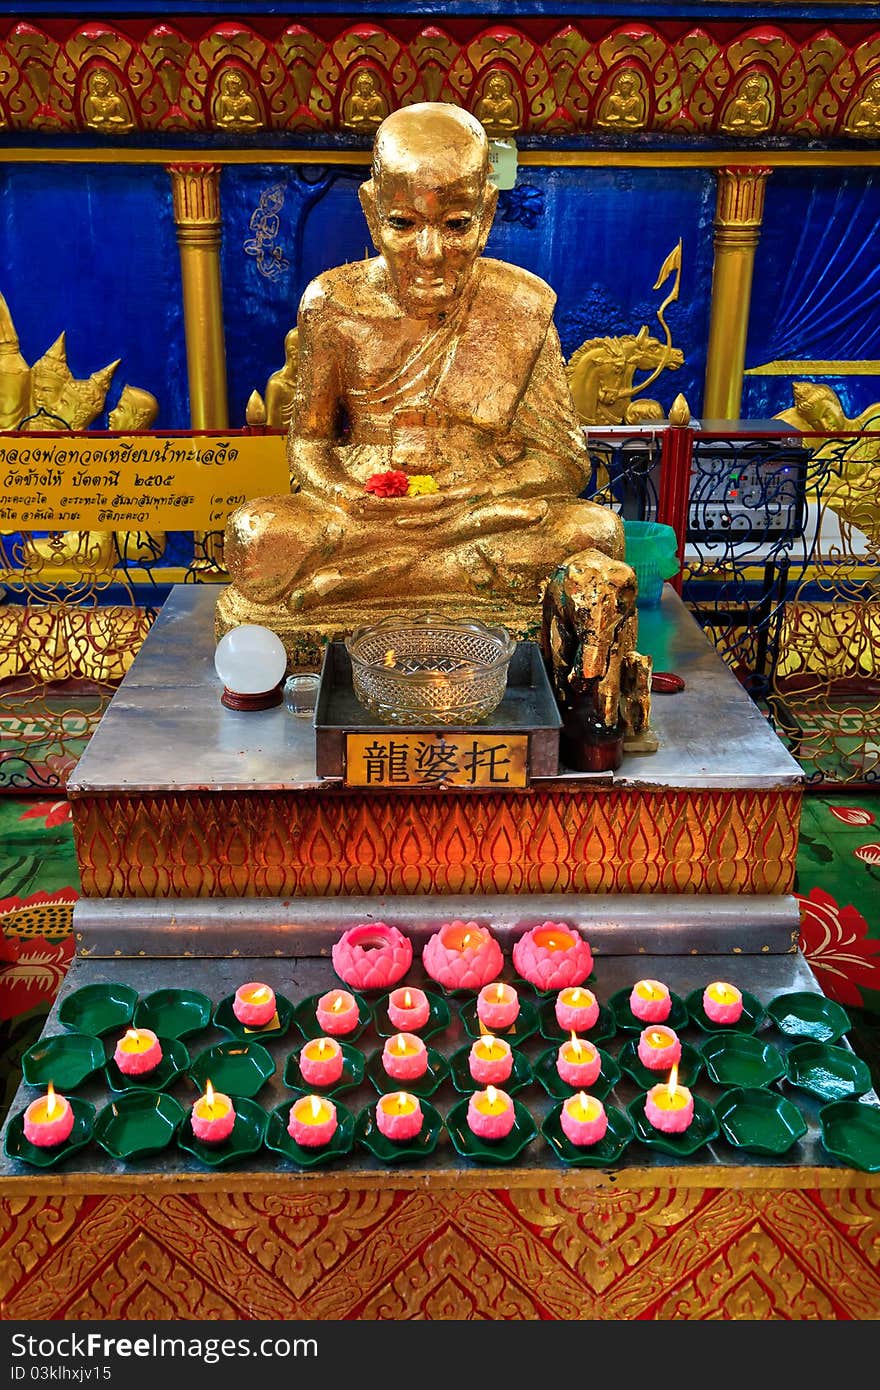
point(601, 372)
point(750, 111)
point(104, 106)
point(366, 107)
point(850, 487)
point(235, 107)
point(497, 110)
point(624, 105)
point(864, 115)
point(436, 459)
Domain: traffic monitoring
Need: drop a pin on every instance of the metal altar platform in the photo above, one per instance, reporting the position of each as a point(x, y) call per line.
point(178, 796)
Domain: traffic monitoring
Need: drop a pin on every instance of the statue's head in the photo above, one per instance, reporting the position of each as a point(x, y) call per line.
point(136, 409)
point(429, 204)
point(819, 405)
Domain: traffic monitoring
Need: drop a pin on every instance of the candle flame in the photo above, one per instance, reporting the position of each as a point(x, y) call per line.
point(209, 1099)
point(407, 1000)
point(401, 1042)
point(390, 657)
point(499, 994)
point(401, 1100)
point(575, 1044)
point(337, 1003)
point(551, 943)
point(51, 1101)
point(131, 1035)
point(576, 996)
point(673, 1078)
point(721, 992)
point(491, 1095)
point(259, 994)
point(467, 937)
point(321, 1043)
point(657, 1039)
point(584, 1105)
point(316, 1107)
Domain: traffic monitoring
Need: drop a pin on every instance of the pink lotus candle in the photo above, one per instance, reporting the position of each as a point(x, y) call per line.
point(552, 956)
point(213, 1116)
point(405, 1057)
point(670, 1107)
point(137, 1052)
point(583, 1119)
point(578, 1062)
point(659, 1048)
point(497, 1007)
point(576, 1009)
point(490, 1114)
point(399, 1116)
point(408, 1009)
point(462, 955)
point(372, 955)
point(312, 1121)
point(490, 1060)
point(321, 1062)
point(48, 1120)
point(722, 1003)
point(254, 1004)
point(650, 1001)
point(337, 1012)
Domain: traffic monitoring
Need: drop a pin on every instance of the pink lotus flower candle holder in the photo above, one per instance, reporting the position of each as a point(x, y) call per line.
point(408, 1009)
point(137, 1052)
point(583, 1120)
point(312, 1121)
point(490, 1114)
point(669, 1107)
point(372, 955)
point(650, 1001)
point(462, 955)
point(490, 1060)
point(405, 1057)
point(578, 1062)
point(48, 1120)
point(497, 1006)
point(337, 1012)
point(576, 1009)
point(722, 1003)
point(254, 1004)
point(321, 1062)
point(399, 1116)
point(659, 1047)
point(552, 956)
point(213, 1116)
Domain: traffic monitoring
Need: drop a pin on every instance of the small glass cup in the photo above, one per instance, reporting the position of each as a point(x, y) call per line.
point(301, 694)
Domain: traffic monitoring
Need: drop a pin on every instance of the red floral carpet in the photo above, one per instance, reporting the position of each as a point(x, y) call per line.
point(838, 873)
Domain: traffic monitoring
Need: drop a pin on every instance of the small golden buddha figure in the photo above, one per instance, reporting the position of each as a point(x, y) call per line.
point(281, 385)
point(624, 105)
point(443, 367)
point(864, 116)
point(750, 112)
point(366, 107)
point(497, 110)
point(235, 108)
point(104, 106)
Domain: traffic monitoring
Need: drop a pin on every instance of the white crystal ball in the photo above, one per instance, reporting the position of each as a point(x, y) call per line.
point(250, 659)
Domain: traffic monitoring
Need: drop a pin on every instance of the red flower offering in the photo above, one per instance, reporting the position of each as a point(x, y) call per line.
point(213, 1116)
point(497, 1006)
point(321, 1062)
point(312, 1121)
point(490, 1114)
point(337, 1012)
point(650, 1001)
point(254, 1004)
point(490, 1060)
point(399, 1116)
point(462, 955)
point(583, 1120)
point(552, 956)
point(372, 955)
point(576, 1009)
point(137, 1052)
point(659, 1048)
point(405, 1057)
point(393, 483)
point(670, 1107)
point(578, 1062)
point(48, 1120)
point(722, 1003)
point(408, 1009)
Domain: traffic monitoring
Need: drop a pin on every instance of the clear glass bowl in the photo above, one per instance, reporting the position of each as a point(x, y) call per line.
point(430, 670)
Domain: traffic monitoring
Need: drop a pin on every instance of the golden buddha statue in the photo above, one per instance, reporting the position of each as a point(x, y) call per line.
point(497, 110)
point(444, 369)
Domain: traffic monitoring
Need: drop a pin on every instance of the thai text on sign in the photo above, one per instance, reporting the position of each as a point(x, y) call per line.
point(179, 482)
point(437, 759)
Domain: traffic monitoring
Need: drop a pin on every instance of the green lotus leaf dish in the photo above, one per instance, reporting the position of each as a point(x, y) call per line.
point(369, 1135)
point(98, 1009)
point(174, 1013)
point(353, 1063)
point(439, 1017)
point(278, 1139)
point(525, 1025)
point(627, 1021)
point(702, 1129)
point(246, 1137)
point(238, 1068)
point(545, 1071)
point(225, 1020)
point(607, 1151)
point(470, 1145)
point(749, 1021)
point(16, 1146)
point(67, 1060)
point(306, 1019)
point(803, 1014)
point(689, 1067)
point(850, 1131)
point(175, 1060)
point(826, 1071)
point(435, 1074)
point(739, 1059)
point(602, 1030)
point(138, 1124)
point(763, 1122)
point(464, 1083)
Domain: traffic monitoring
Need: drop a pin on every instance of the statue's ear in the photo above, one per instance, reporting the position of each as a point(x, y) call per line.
point(367, 195)
point(490, 201)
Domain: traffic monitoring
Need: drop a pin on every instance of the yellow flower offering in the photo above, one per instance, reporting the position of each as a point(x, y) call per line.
point(420, 485)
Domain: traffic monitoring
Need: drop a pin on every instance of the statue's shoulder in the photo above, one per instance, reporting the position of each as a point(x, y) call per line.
point(524, 296)
point(341, 293)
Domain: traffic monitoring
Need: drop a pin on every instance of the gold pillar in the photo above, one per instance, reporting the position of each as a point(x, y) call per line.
point(738, 215)
point(195, 191)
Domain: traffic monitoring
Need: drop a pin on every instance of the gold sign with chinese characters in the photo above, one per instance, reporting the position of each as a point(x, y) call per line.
point(464, 760)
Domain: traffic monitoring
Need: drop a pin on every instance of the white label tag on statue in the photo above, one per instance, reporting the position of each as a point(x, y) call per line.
point(502, 163)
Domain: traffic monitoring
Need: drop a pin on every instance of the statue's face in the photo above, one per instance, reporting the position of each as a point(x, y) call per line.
point(431, 234)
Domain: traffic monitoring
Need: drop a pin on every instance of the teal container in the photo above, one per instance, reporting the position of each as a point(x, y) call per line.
point(651, 550)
